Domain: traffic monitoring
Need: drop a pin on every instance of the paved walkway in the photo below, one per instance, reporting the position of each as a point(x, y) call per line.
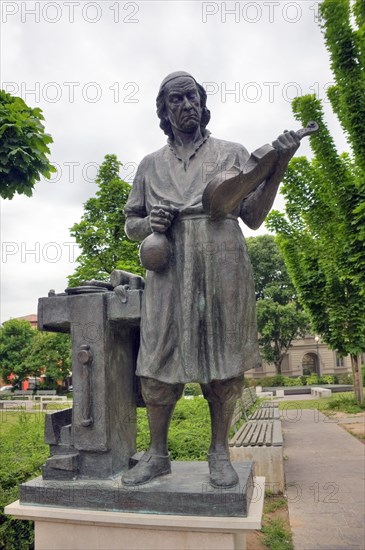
point(324, 471)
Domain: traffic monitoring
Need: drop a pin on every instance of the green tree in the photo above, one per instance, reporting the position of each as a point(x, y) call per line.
point(23, 147)
point(50, 356)
point(26, 352)
point(270, 274)
point(280, 318)
point(100, 233)
point(16, 337)
point(322, 233)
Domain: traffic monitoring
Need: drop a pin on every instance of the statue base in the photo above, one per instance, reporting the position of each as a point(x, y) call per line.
point(186, 491)
point(64, 528)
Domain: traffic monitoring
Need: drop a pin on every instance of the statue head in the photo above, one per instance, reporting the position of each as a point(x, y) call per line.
point(173, 82)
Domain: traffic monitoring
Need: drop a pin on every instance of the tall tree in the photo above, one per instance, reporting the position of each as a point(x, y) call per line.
point(270, 274)
point(23, 147)
point(50, 357)
point(322, 234)
point(100, 233)
point(16, 337)
point(25, 352)
point(280, 318)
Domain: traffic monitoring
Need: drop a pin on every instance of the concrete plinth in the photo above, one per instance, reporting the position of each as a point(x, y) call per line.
point(80, 529)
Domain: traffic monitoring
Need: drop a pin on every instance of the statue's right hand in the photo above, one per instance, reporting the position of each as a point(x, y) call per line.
point(161, 217)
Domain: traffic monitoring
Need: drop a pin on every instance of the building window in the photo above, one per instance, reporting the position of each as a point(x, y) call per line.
point(339, 361)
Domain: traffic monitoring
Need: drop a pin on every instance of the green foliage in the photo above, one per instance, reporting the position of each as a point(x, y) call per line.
point(16, 337)
point(26, 352)
point(286, 381)
point(278, 325)
point(270, 273)
point(192, 389)
point(273, 503)
point(312, 379)
point(327, 379)
point(292, 381)
point(347, 49)
point(268, 381)
point(50, 355)
point(22, 451)
point(279, 316)
point(345, 378)
point(23, 147)
point(340, 402)
point(189, 434)
point(100, 233)
point(322, 234)
point(313, 237)
point(276, 535)
point(249, 382)
point(143, 433)
point(277, 380)
point(346, 404)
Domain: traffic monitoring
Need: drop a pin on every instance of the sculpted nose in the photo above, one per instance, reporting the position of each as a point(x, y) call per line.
point(187, 103)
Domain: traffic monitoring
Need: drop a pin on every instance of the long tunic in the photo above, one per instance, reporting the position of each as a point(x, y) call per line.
point(198, 320)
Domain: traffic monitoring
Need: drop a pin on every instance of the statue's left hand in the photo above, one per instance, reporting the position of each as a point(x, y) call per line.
point(161, 217)
point(286, 145)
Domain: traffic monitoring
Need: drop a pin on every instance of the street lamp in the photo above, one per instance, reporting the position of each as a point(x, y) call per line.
point(316, 339)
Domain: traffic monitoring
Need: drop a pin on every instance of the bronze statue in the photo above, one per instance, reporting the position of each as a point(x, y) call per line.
point(198, 315)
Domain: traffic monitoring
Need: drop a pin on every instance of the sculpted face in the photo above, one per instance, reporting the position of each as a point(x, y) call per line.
point(183, 104)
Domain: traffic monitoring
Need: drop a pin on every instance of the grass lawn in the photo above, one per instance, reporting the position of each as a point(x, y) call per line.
point(342, 402)
point(22, 451)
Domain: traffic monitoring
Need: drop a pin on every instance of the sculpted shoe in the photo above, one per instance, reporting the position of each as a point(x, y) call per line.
point(149, 467)
point(222, 473)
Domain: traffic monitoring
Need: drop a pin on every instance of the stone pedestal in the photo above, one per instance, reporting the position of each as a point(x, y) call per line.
point(186, 491)
point(80, 529)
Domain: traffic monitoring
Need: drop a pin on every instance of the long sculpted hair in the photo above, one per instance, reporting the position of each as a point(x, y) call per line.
point(165, 124)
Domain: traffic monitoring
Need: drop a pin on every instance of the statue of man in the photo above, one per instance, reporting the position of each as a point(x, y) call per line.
point(198, 321)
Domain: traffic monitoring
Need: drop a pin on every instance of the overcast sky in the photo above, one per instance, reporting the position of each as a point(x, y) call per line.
point(94, 68)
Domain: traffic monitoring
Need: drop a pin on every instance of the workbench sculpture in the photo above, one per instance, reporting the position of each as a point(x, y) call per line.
point(194, 321)
point(95, 439)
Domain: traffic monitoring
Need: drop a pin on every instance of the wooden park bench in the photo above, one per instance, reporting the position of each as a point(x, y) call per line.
point(265, 413)
point(244, 405)
point(260, 440)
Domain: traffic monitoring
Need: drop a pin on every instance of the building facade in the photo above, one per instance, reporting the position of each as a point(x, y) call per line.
point(307, 355)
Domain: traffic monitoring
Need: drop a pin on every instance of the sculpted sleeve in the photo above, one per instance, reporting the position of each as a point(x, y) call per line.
point(258, 204)
point(135, 205)
point(137, 225)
